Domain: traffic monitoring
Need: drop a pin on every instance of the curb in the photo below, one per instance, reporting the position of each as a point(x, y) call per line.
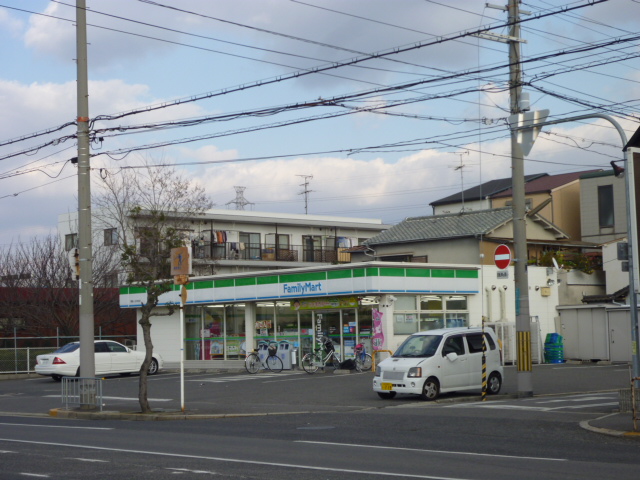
point(607, 431)
point(152, 417)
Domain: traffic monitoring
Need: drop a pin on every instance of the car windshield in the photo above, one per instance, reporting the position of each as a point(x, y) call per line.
point(68, 348)
point(419, 346)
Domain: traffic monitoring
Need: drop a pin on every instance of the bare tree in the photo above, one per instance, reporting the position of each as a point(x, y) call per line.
point(151, 208)
point(39, 289)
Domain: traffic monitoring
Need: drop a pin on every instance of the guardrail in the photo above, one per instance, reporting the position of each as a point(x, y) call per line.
point(82, 392)
point(373, 358)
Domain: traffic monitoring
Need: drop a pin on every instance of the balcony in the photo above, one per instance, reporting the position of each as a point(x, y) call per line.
point(269, 253)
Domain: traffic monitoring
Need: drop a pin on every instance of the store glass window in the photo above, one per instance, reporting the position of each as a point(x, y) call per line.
point(433, 311)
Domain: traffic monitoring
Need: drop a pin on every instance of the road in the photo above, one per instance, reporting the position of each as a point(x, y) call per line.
point(343, 431)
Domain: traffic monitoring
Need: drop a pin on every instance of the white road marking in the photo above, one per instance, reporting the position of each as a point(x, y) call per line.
point(34, 475)
point(447, 452)
point(186, 470)
point(88, 460)
point(238, 460)
point(55, 426)
point(132, 399)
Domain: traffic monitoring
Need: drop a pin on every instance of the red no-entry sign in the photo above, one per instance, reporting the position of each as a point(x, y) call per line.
point(502, 257)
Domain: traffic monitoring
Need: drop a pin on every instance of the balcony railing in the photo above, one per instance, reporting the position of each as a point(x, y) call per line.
point(262, 252)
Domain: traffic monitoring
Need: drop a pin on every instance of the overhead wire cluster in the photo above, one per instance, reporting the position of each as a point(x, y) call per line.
point(432, 84)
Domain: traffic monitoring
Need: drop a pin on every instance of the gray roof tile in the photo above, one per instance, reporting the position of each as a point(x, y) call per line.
point(444, 226)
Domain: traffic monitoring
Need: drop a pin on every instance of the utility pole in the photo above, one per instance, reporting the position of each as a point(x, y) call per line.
point(87, 353)
point(521, 282)
point(523, 324)
point(306, 191)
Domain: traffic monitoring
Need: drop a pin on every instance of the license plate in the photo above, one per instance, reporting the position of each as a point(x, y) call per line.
point(45, 361)
point(386, 386)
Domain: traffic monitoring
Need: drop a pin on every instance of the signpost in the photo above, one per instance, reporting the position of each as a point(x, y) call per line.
point(502, 257)
point(181, 268)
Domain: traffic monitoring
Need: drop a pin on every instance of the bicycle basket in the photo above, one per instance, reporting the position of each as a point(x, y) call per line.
point(273, 350)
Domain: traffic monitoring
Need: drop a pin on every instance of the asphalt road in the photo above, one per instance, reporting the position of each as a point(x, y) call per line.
point(342, 430)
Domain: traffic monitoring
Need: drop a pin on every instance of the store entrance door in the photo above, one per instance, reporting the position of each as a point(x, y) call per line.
point(329, 322)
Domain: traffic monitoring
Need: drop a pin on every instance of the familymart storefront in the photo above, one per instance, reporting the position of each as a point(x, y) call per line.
point(375, 303)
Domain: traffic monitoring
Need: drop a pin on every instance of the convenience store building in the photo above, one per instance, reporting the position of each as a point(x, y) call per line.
point(375, 303)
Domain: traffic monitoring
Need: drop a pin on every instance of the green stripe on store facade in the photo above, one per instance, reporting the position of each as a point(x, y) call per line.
point(303, 277)
point(443, 273)
point(245, 282)
point(270, 280)
point(227, 282)
point(337, 274)
point(467, 273)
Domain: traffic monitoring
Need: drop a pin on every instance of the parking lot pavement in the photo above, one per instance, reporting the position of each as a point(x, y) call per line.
point(211, 394)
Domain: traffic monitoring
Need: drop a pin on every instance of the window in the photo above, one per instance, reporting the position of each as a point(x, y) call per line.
point(251, 244)
point(453, 345)
point(605, 205)
point(312, 248)
point(432, 312)
point(474, 341)
point(70, 241)
point(116, 347)
point(110, 236)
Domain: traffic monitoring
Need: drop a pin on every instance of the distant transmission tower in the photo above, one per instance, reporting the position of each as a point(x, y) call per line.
point(306, 191)
point(240, 201)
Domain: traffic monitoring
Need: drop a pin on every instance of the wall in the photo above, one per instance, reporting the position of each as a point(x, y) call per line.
point(591, 231)
point(615, 277)
point(575, 284)
point(469, 206)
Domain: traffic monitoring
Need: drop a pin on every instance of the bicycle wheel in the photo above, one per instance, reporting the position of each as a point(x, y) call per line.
point(252, 363)
point(274, 363)
point(364, 362)
point(334, 362)
point(309, 363)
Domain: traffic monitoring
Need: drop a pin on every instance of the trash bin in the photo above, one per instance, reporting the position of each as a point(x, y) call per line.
point(284, 352)
point(553, 349)
point(294, 357)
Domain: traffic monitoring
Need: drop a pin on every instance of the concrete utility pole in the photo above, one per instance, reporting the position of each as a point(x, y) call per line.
point(523, 325)
point(87, 354)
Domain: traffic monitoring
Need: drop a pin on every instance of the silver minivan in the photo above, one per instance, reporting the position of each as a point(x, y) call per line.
point(439, 361)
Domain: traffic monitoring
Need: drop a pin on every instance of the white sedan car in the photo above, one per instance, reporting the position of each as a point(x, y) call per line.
point(111, 357)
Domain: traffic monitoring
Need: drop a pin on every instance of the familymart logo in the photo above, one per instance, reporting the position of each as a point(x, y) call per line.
point(308, 288)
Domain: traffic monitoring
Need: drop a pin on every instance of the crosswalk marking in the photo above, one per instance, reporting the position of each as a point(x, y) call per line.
point(243, 377)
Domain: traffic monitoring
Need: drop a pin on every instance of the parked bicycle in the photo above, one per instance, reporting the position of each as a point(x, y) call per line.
point(271, 362)
point(363, 359)
point(317, 359)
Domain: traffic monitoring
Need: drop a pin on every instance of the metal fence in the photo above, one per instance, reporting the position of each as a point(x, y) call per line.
point(22, 359)
point(82, 392)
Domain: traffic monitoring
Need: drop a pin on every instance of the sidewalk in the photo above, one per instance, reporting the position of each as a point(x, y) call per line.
point(615, 424)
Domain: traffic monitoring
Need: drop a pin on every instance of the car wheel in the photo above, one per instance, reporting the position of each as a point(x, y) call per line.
point(57, 378)
point(387, 395)
point(494, 384)
point(78, 372)
point(431, 389)
point(153, 368)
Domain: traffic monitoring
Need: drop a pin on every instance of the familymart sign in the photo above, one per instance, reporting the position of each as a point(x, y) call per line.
point(354, 279)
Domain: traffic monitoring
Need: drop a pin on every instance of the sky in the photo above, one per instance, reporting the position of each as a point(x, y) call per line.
point(379, 107)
